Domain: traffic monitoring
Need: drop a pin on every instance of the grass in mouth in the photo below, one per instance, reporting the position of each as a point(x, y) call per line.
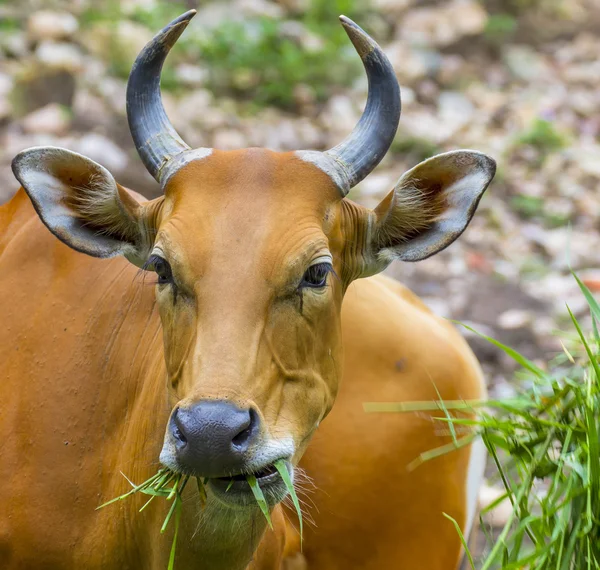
point(545, 445)
point(170, 485)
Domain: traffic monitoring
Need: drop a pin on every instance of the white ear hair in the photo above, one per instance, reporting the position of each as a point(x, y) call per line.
point(430, 206)
point(79, 202)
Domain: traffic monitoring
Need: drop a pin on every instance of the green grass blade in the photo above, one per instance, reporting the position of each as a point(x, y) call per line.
point(591, 355)
point(422, 406)
point(171, 565)
point(165, 524)
point(281, 466)
point(463, 540)
point(147, 503)
point(589, 297)
point(260, 498)
point(517, 357)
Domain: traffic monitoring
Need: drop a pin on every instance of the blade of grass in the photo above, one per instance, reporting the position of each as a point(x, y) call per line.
point(171, 565)
point(524, 362)
point(260, 498)
point(462, 539)
point(281, 466)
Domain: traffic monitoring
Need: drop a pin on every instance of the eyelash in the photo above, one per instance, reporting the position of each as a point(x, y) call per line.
point(315, 276)
point(161, 267)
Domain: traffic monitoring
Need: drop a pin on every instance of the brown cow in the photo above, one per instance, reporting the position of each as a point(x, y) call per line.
point(235, 355)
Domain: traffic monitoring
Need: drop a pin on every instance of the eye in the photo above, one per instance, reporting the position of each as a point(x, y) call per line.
point(161, 267)
point(316, 275)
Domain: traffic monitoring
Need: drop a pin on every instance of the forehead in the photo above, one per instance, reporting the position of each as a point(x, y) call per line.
point(253, 174)
point(249, 202)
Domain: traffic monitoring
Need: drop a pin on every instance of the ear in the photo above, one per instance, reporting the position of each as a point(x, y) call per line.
point(81, 204)
point(429, 208)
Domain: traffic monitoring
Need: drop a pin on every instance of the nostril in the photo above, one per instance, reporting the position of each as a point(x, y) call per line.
point(176, 428)
point(243, 439)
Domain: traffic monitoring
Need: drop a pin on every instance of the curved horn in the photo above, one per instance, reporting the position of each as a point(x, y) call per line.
point(368, 143)
point(155, 139)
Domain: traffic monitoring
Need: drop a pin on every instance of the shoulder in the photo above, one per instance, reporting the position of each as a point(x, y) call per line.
point(387, 326)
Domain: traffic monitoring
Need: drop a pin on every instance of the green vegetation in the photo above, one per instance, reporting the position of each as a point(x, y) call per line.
point(546, 448)
point(261, 60)
point(527, 206)
point(500, 28)
point(170, 485)
point(543, 136)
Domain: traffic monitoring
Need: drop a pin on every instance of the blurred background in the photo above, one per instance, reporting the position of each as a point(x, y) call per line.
point(518, 79)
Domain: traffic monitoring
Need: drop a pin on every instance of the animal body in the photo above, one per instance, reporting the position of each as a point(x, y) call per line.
point(205, 331)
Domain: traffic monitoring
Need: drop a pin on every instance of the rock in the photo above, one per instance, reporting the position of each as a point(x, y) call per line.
point(211, 15)
point(119, 44)
point(36, 87)
point(114, 93)
point(412, 63)
point(392, 7)
point(500, 515)
point(60, 56)
point(587, 158)
point(438, 306)
point(281, 136)
point(298, 33)
point(192, 108)
point(89, 110)
point(53, 119)
point(422, 124)
point(340, 115)
point(6, 84)
point(104, 151)
point(14, 44)
point(49, 25)
point(514, 319)
point(443, 25)
point(229, 139)
point(190, 75)
point(455, 111)
point(304, 95)
point(525, 63)
point(129, 7)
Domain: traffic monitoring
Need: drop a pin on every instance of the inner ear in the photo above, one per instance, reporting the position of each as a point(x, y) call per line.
point(429, 208)
point(81, 204)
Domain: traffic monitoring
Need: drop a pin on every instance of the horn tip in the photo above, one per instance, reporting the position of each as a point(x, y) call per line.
point(184, 18)
point(362, 42)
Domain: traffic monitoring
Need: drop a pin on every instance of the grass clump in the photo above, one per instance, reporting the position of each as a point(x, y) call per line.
point(500, 28)
point(543, 136)
point(170, 485)
point(545, 445)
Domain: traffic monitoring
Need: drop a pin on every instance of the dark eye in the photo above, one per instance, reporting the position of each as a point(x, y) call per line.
point(162, 268)
point(316, 275)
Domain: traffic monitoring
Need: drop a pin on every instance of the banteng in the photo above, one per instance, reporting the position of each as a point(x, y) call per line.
point(258, 328)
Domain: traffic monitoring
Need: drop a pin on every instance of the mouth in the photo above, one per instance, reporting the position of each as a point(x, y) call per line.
point(235, 489)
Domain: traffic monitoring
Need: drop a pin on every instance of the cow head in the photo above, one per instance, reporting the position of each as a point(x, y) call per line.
point(252, 251)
